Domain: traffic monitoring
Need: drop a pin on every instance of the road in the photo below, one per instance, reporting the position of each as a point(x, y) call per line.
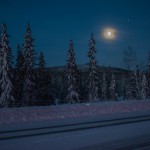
point(122, 136)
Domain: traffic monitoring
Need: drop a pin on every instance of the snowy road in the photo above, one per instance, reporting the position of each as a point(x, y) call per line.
point(70, 127)
point(126, 135)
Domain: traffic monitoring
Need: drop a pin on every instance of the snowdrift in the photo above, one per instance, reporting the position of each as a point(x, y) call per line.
point(38, 113)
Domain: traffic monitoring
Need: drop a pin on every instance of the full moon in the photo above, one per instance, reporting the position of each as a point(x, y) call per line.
point(109, 33)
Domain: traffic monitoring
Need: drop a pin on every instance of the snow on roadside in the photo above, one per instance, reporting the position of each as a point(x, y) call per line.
point(38, 113)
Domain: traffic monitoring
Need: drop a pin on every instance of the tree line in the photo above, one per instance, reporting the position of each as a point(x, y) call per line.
point(30, 83)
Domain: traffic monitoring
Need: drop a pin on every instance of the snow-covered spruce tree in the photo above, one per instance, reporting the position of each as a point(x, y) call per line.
point(19, 75)
point(92, 78)
point(43, 81)
point(72, 76)
point(28, 66)
point(148, 75)
point(134, 85)
point(122, 87)
point(108, 81)
point(144, 87)
point(132, 88)
point(129, 60)
point(104, 86)
point(112, 88)
point(6, 71)
point(138, 78)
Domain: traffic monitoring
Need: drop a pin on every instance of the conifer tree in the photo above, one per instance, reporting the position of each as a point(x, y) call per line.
point(72, 76)
point(148, 75)
point(138, 78)
point(108, 80)
point(129, 61)
point(132, 88)
point(6, 71)
point(92, 78)
point(112, 88)
point(129, 58)
point(144, 87)
point(19, 75)
point(134, 85)
point(28, 65)
point(104, 87)
point(43, 80)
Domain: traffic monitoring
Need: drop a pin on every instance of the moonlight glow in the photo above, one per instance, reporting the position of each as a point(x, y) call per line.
point(109, 33)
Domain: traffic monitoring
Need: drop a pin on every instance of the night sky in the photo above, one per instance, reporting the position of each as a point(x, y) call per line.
point(55, 22)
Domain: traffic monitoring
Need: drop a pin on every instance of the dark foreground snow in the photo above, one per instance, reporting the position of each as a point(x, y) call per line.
point(122, 137)
point(24, 114)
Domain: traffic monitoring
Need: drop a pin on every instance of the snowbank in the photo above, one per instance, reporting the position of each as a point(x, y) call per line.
point(13, 115)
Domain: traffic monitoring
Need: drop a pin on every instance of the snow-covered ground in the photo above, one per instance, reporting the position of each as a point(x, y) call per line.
point(103, 138)
point(24, 114)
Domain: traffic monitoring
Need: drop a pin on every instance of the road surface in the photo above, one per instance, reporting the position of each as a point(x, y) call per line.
point(122, 136)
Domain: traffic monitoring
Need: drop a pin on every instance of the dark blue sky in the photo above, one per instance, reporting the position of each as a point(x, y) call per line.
point(55, 22)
